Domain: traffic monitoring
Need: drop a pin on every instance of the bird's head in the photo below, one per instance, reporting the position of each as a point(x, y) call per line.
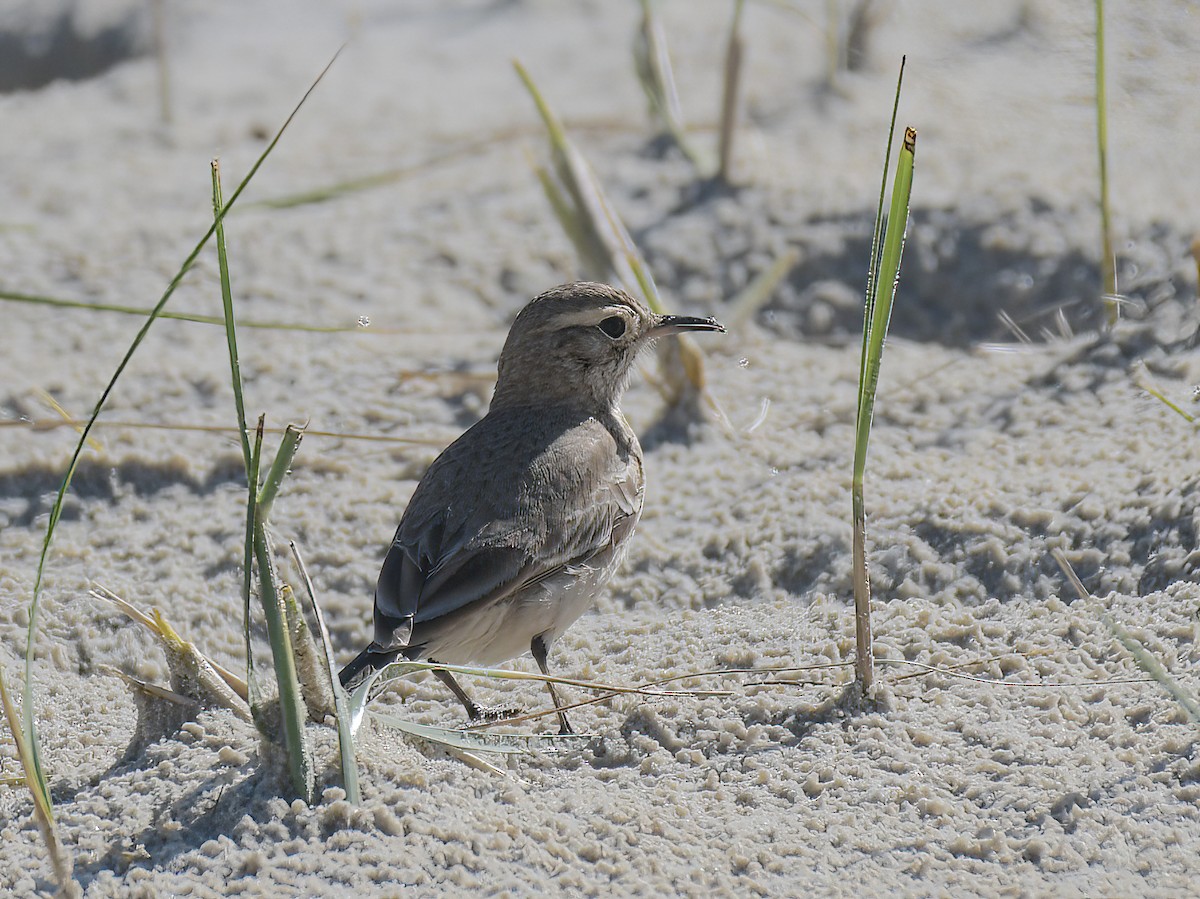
point(577, 343)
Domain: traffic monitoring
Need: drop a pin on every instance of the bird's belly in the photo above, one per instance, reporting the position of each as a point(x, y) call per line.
point(503, 630)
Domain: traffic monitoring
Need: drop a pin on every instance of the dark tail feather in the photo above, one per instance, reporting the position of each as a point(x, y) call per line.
point(364, 664)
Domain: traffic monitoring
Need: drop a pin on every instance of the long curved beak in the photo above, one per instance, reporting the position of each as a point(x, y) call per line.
point(677, 324)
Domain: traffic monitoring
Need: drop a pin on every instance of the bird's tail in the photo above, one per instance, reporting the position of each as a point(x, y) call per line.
point(364, 664)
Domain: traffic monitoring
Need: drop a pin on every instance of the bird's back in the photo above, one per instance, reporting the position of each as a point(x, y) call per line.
point(538, 501)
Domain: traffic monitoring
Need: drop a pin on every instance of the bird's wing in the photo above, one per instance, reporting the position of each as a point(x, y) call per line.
point(557, 519)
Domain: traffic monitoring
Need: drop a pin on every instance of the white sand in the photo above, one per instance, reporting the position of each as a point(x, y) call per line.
point(981, 463)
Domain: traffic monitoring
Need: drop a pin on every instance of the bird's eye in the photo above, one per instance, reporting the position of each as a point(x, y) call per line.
point(613, 326)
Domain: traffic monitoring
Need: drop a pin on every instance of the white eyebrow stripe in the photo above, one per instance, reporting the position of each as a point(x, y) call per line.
point(587, 317)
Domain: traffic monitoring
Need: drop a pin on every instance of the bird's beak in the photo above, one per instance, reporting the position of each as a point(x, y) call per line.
point(665, 325)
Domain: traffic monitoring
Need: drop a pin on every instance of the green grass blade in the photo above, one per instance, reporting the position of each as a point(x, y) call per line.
point(294, 734)
point(599, 237)
point(889, 267)
point(341, 700)
point(252, 457)
point(876, 237)
point(567, 217)
point(293, 712)
point(255, 695)
point(877, 311)
point(291, 704)
point(227, 305)
point(593, 224)
point(34, 779)
point(570, 169)
point(43, 809)
point(56, 509)
point(288, 446)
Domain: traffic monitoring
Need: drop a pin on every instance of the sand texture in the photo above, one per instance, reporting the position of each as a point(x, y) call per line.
point(1060, 771)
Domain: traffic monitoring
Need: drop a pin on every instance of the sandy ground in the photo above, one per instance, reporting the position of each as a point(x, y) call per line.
point(1072, 777)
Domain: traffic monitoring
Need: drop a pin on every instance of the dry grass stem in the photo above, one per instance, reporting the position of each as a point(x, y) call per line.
point(193, 674)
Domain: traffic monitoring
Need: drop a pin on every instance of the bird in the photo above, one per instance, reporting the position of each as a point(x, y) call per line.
point(517, 526)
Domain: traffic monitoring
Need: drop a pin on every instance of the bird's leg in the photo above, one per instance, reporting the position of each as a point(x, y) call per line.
point(540, 652)
point(475, 711)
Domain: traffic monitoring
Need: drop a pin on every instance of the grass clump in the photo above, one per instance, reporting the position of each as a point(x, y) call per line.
point(25, 730)
point(652, 64)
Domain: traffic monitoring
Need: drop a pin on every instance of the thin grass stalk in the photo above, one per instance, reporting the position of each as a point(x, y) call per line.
point(1143, 381)
point(292, 710)
point(43, 424)
point(568, 219)
point(885, 270)
point(754, 295)
point(291, 704)
point(61, 860)
point(142, 312)
point(729, 93)
point(252, 457)
point(65, 416)
point(336, 190)
point(255, 694)
point(601, 239)
point(401, 669)
point(653, 65)
point(288, 446)
point(1196, 258)
point(893, 249)
point(876, 237)
point(227, 306)
point(1144, 659)
point(341, 699)
point(604, 244)
point(56, 510)
point(1108, 265)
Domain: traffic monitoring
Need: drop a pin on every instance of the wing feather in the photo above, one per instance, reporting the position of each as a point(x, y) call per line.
point(575, 497)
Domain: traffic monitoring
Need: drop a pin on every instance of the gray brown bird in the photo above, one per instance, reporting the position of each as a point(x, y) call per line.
point(521, 521)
